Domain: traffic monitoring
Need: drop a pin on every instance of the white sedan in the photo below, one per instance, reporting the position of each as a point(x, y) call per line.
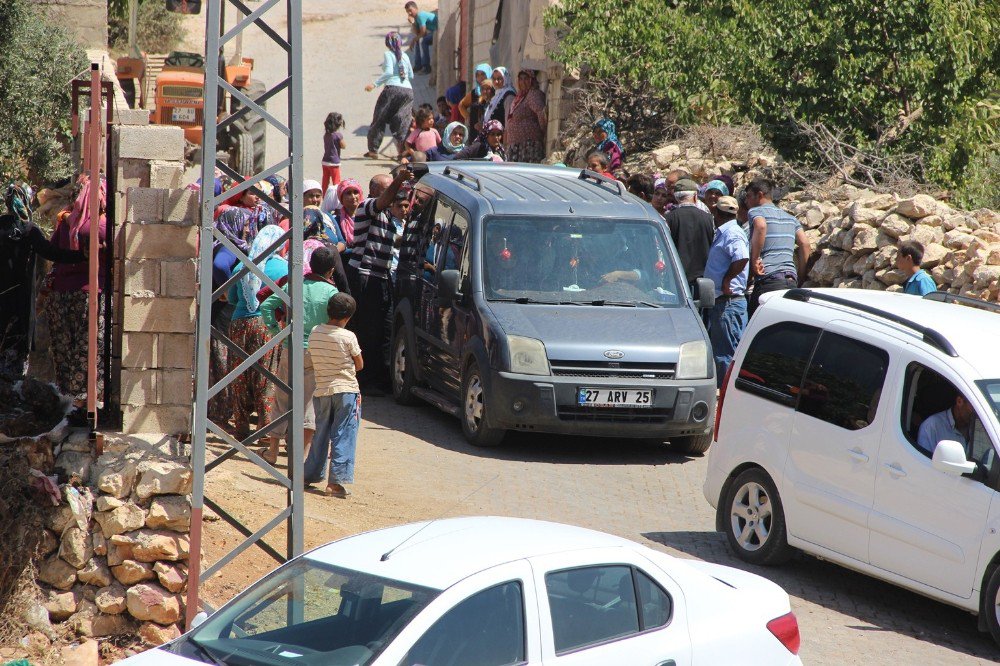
point(490, 592)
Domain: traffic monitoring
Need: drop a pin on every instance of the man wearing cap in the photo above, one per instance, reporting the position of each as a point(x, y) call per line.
point(779, 249)
point(727, 268)
point(691, 229)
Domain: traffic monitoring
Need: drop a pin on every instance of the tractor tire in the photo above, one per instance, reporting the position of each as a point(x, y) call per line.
point(254, 123)
point(241, 155)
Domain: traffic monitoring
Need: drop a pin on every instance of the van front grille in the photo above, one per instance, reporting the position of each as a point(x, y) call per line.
point(613, 370)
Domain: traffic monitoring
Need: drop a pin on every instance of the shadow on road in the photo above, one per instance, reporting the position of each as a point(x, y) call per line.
point(878, 606)
point(445, 432)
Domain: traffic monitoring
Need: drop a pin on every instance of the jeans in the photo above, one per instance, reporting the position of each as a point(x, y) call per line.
point(337, 419)
point(422, 51)
point(769, 283)
point(726, 322)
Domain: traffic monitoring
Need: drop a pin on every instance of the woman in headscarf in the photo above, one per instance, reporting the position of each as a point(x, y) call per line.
point(489, 148)
point(252, 392)
point(606, 141)
point(469, 106)
point(67, 304)
point(395, 103)
point(526, 123)
point(350, 194)
point(453, 97)
point(502, 98)
point(243, 215)
point(452, 142)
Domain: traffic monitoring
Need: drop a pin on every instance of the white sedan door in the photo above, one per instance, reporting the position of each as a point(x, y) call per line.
point(609, 606)
point(927, 525)
point(489, 619)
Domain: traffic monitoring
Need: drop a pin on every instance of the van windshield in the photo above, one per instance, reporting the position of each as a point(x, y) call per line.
point(582, 261)
point(991, 389)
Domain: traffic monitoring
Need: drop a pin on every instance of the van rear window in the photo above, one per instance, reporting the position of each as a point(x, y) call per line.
point(776, 361)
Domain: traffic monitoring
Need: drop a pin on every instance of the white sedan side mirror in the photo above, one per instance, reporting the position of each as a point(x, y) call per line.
point(949, 457)
point(198, 619)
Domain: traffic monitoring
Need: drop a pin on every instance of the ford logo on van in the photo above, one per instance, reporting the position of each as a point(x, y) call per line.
point(614, 354)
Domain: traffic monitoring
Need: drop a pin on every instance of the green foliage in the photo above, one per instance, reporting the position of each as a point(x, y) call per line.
point(979, 189)
point(37, 63)
point(857, 66)
point(159, 31)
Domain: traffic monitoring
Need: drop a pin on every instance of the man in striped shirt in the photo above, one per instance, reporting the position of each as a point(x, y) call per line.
point(779, 249)
point(374, 233)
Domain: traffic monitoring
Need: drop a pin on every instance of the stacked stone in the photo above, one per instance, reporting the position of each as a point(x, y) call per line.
point(855, 231)
point(116, 551)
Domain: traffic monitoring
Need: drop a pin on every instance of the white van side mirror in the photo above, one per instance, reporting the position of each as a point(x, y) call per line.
point(949, 457)
point(198, 619)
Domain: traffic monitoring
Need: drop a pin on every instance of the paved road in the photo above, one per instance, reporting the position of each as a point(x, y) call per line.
point(414, 464)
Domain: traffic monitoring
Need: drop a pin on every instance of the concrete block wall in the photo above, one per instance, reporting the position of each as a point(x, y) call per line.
point(159, 247)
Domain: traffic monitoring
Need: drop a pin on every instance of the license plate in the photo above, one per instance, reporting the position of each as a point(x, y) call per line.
point(615, 397)
point(182, 115)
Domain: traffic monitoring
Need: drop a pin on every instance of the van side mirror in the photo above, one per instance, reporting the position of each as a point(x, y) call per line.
point(448, 285)
point(949, 457)
point(705, 293)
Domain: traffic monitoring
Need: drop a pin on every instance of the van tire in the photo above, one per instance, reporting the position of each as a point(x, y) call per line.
point(691, 444)
point(473, 410)
point(990, 610)
point(401, 366)
point(753, 490)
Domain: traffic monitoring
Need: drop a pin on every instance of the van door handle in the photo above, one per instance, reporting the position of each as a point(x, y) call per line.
point(895, 470)
point(858, 454)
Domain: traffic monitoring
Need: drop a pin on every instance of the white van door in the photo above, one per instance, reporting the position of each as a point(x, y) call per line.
point(830, 471)
point(927, 525)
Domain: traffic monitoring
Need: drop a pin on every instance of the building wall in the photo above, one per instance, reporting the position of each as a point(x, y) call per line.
point(87, 19)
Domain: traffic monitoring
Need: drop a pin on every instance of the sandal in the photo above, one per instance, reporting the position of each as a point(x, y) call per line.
point(271, 459)
point(371, 155)
point(336, 490)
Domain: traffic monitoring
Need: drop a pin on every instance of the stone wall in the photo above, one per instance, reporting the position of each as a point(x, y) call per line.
point(115, 549)
point(87, 19)
point(854, 231)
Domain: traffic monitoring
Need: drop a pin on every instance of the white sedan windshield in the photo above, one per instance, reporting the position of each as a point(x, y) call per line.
point(308, 613)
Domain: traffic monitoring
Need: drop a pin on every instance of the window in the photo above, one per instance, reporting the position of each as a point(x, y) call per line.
point(777, 358)
point(593, 605)
point(487, 629)
point(655, 605)
point(844, 382)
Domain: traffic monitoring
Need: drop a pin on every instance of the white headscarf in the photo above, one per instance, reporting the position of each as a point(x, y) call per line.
point(500, 94)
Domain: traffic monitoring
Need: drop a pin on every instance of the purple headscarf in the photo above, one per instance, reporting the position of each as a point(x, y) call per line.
point(394, 43)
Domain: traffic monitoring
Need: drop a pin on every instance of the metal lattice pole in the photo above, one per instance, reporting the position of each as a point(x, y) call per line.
point(291, 86)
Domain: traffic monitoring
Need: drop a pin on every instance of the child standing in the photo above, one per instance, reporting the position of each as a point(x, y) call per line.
point(424, 137)
point(333, 143)
point(336, 360)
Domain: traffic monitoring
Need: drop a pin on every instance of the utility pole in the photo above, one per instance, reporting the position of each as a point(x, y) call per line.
point(289, 90)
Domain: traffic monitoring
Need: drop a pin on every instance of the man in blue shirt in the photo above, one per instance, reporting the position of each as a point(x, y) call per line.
point(909, 255)
point(779, 249)
point(424, 27)
point(727, 268)
point(954, 423)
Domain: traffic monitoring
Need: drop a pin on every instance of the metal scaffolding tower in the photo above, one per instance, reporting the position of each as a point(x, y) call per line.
point(289, 90)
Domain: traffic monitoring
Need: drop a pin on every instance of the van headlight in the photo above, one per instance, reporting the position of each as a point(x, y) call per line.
point(693, 361)
point(527, 356)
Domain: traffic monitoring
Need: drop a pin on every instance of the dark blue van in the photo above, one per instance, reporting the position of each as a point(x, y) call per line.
point(547, 299)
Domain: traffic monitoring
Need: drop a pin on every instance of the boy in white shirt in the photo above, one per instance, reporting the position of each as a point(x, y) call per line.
point(336, 359)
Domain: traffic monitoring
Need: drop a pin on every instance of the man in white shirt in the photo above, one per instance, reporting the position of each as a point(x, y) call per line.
point(954, 423)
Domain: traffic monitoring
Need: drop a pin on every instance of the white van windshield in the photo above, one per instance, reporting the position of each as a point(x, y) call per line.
point(582, 261)
point(991, 389)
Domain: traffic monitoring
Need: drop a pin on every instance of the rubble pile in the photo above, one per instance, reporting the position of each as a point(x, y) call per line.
point(854, 231)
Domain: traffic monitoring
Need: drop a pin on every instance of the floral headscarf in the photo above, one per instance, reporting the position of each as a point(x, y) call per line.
point(608, 126)
point(80, 214)
point(501, 93)
point(394, 43)
point(492, 126)
point(446, 138)
point(308, 247)
point(250, 284)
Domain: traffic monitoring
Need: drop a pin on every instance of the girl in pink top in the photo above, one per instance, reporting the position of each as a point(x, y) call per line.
point(424, 137)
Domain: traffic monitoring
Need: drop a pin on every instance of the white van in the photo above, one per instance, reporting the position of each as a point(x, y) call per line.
point(862, 427)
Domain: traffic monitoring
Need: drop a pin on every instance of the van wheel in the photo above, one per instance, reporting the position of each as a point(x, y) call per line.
point(402, 373)
point(474, 410)
point(754, 520)
point(991, 604)
point(692, 444)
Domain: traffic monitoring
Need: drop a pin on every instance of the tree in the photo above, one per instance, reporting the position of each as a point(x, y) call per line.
point(911, 76)
point(37, 63)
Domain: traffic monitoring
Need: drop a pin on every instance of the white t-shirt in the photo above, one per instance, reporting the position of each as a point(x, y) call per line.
point(332, 350)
